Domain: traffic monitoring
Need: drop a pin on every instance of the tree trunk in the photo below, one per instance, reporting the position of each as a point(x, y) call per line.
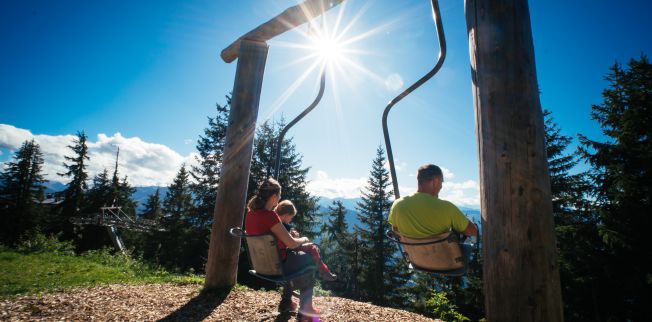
point(521, 275)
point(223, 252)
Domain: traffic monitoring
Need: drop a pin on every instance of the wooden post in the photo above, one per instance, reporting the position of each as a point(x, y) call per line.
point(521, 276)
point(222, 262)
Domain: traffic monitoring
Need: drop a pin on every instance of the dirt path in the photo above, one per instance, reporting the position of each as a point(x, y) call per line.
point(180, 303)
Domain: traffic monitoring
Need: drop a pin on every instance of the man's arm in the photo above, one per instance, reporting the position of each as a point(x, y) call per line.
point(471, 229)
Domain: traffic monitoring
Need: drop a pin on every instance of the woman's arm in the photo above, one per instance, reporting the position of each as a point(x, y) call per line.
point(283, 235)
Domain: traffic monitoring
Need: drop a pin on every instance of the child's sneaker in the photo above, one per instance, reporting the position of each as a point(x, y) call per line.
point(327, 276)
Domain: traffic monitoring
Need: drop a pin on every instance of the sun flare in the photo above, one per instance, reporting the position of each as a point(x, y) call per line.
point(328, 48)
point(331, 47)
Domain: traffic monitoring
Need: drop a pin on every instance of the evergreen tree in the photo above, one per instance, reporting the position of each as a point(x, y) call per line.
point(121, 191)
point(292, 176)
point(21, 187)
point(75, 190)
point(575, 226)
point(621, 175)
point(99, 195)
point(383, 276)
point(337, 250)
point(148, 243)
point(152, 206)
point(176, 241)
point(206, 174)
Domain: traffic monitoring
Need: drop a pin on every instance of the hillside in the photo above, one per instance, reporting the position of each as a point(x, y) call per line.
point(174, 302)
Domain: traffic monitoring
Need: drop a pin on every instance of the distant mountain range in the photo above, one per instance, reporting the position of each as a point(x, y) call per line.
point(142, 193)
point(351, 210)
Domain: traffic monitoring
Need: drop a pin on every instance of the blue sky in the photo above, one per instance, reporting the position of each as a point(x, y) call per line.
point(145, 75)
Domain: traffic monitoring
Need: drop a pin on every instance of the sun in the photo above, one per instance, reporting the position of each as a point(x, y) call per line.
point(332, 48)
point(327, 47)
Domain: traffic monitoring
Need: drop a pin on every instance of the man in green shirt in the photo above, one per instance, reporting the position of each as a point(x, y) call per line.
point(423, 214)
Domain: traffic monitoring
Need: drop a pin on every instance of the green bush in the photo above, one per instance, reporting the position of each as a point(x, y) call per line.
point(439, 306)
point(40, 243)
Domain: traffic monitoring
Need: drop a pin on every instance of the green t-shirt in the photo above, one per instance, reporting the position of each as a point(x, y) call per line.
point(422, 215)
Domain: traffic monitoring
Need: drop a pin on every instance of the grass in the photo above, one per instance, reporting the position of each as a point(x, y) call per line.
point(40, 271)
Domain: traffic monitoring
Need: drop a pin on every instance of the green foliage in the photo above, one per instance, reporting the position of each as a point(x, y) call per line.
point(621, 177)
point(21, 187)
point(152, 208)
point(206, 173)
point(292, 175)
point(75, 191)
point(380, 272)
point(575, 225)
point(40, 243)
point(439, 306)
point(44, 267)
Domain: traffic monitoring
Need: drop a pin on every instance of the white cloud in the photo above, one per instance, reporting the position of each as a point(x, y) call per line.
point(324, 186)
point(465, 193)
point(448, 174)
point(399, 166)
point(144, 163)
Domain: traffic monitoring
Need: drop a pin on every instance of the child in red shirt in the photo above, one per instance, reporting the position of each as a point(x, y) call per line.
point(286, 211)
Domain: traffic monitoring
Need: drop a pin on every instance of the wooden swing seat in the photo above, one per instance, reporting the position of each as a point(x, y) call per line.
point(440, 254)
point(265, 258)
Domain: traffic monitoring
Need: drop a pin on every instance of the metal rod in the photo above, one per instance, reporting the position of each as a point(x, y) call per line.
point(288, 19)
point(436, 14)
point(322, 84)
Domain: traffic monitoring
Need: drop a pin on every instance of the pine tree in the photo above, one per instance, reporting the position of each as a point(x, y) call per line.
point(75, 190)
point(121, 191)
point(621, 175)
point(21, 187)
point(382, 275)
point(152, 206)
point(206, 174)
point(176, 241)
point(148, 243)
point(292, 176)
point(575, 226)
point(99, 195)
point(337, 249)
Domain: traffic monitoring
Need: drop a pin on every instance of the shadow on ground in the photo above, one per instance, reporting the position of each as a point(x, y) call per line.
point(199, 307)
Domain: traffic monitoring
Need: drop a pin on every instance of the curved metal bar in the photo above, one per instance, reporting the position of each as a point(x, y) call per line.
point(322, 84)
point(440, 61)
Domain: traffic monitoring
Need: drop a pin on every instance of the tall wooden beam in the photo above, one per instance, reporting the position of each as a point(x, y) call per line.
point(251, 51)
point(222, 262)
point(521, 276)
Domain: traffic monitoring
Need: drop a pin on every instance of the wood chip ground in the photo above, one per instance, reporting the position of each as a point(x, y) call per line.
point(169, 302)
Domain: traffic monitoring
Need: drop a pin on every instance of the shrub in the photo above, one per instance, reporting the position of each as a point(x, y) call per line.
point(40, 243)
point(439, 306)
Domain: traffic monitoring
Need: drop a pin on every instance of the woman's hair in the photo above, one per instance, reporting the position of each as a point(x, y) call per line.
point(266, 189)
point(285, 207)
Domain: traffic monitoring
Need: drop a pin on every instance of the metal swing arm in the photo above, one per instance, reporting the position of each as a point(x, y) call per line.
point(440, 61)
point(279, 143)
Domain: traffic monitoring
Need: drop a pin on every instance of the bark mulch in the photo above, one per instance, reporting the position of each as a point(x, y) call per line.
point(172, 302)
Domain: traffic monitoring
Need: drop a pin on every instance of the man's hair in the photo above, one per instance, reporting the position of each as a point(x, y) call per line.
point(428, 172)
point(285, 207)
